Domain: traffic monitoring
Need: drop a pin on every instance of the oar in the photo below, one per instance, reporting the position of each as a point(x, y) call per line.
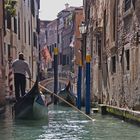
point(65, 101)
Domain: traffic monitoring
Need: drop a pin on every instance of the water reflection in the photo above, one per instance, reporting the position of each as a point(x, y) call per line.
point(66, 124)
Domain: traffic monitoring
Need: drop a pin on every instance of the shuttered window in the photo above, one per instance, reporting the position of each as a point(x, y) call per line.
point(29, 34)
point(25, 31)
point(8, 20)
point(35, 39)
point(18, 26)
point(15, 25)
point(113, 64)
point(64, 60)
point(127, 60)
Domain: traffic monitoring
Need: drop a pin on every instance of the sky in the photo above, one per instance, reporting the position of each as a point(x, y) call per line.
point(50, 8)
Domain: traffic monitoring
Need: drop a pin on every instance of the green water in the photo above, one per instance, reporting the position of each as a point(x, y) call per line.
point(67, 124)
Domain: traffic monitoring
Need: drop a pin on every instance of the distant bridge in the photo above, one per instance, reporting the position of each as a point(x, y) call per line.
point(51, 80)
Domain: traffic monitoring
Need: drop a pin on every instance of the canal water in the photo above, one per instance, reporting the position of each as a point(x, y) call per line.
point(64, 123)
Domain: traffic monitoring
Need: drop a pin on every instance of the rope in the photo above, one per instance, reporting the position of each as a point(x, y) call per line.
point(65, 101)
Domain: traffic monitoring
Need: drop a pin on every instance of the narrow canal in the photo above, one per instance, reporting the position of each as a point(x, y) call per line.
point(67, 124)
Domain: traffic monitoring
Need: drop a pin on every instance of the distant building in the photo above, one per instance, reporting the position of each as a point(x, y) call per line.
point(43, 33)
point(42, 47)
point(52, 38)
point(69, 41)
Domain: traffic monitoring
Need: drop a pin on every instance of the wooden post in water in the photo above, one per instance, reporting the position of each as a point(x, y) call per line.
point(79, 85)
point(55, 73)
point(88, 58)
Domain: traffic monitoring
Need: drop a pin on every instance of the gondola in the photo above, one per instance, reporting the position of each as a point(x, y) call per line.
point(31, 105)
point(67, 95)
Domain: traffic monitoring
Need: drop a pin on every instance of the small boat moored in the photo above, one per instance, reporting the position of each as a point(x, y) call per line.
point(67, 96)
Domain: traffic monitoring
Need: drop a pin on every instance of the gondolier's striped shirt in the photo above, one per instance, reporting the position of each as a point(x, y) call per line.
point(21, 67)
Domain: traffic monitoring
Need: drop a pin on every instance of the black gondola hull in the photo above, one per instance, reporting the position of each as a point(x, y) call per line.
point(23, 109)
point(67, 96)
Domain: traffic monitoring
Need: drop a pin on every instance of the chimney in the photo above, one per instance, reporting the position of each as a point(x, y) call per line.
point(66, 5)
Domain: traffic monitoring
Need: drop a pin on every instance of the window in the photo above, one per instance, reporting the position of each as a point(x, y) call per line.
point(35, 39)
point(46, 33)
point(105, 24)
point(114, 21)
point(60, 58)
point(25, 31)
point(88, 13)
point(4, 48)
point(58, 38)
point(29, 38)
point(18, 26)
point(9, 52)
point(38, 24)
point(33, 7)
point(127, 4)
point(71, 39)
point(8, 20)
point(113, 64)
point(99, 50)
point(68, 60)
point(127, 59)
point(15, 25)
point(64, 60)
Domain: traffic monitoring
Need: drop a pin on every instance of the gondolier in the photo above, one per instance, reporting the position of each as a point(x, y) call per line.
point(20, 68)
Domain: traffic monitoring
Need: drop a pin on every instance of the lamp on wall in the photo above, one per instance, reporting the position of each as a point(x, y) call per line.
point(82, 30)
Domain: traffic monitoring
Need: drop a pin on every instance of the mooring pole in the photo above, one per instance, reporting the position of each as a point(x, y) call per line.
point(55, 73)
point(79, 81)
point(88, 59)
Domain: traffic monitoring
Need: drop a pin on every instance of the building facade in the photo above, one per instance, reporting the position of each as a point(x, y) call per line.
point(21, 35)
point(52, 40)
point(64, 34)
point(2, 68)
point(42, 47)
point(113, 36)
point(69, 40)
point(43, 32)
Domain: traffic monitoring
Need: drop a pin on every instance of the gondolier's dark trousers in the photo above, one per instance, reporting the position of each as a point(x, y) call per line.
point(20, 84)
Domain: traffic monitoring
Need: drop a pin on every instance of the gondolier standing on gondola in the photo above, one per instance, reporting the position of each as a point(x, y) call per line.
point(20, 68)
